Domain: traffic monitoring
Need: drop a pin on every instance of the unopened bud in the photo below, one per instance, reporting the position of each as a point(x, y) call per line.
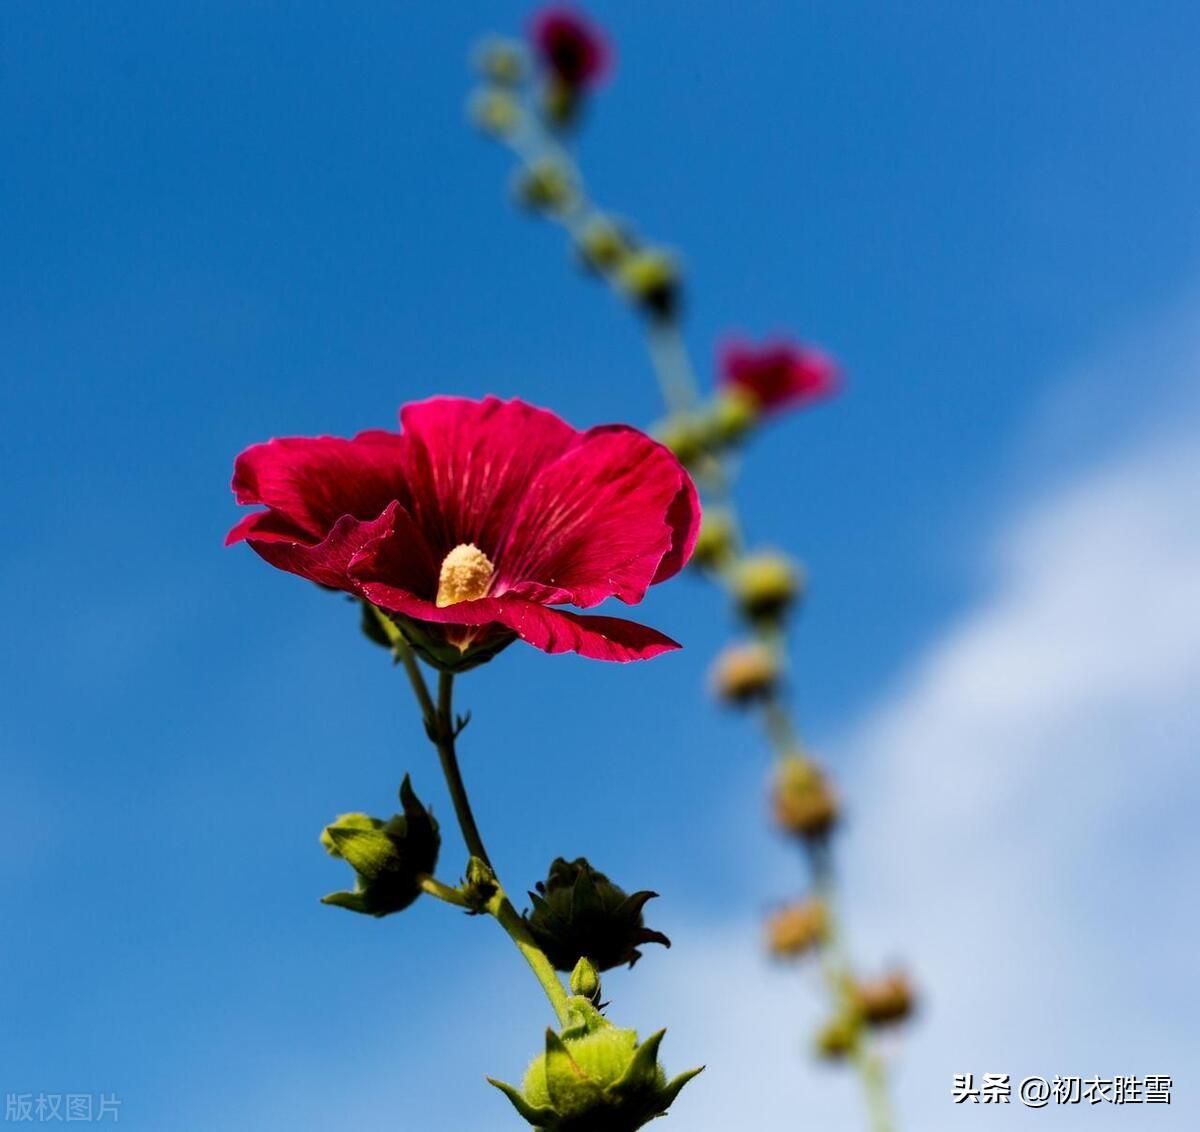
point(803, 801)
point(577, 911)
point(885, 1000)
point(594, 1077)
point(651, 279)
point(585, 980)
point(545, 186)
point(734, 415)
point(390, 859)
point(560, 102)
point(795, 930)
point(838, 1038)
point(502, 61)
point(716, 540)
point(684, 435)
point(479, 885)
point(766, 585)
point(603, 244)
point(745, 673)
point(495, 112)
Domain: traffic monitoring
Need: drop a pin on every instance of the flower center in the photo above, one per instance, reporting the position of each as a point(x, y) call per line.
point(466, 575)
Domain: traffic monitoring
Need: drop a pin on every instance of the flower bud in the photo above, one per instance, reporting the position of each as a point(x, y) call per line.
point(651, 279)
point(745, 673)
point(560, 102)
point(578, 911)
point(479, 885)
point(804, 803)
point(734, 415)
point(390, 859)
point(594, 1077)
point(495, 112)
point(716, 540)
point(684, 435)
point(838, 1038)
point(502, 61)
point(545, 186)
point(885, 1000)
point(795, 930)
point(585, 980)
point(766, 585)
point(603, 244)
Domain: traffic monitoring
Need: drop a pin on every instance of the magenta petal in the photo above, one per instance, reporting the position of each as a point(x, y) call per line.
point(315, 481)
point(683, 516)
point(779, 375)
point(600, 638)
point(469, 463)
point(266, 526)
point(614, 514)
point(328, 561)
point(551, 630)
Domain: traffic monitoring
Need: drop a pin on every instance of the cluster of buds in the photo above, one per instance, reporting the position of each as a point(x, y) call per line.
point(755, 383)
point(578, 913)
point(802, 801)
point(594, 1077)
point(530, 105)
point(390, 859)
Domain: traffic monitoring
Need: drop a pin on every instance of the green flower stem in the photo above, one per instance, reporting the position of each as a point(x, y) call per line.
point(444, 892)
point(839, 977)
point(532, 142)
point(443, 731)
point(501, 908)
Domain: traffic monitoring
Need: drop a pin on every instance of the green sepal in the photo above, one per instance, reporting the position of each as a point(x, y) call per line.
point(376, 626)
point(538, 1117)
point(594, 1077)
point(672, 1088)
point(577, 911)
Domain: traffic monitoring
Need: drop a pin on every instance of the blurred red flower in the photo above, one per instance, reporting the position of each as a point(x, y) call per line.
point(474, 520)
point(571, 47)
point(778, 375)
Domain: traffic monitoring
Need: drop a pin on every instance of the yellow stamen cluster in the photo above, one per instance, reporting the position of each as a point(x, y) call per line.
point(465, 576)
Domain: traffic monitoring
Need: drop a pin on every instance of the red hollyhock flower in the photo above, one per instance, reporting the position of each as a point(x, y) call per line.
point(779, 375)
point(572, 48)
point(476, 519)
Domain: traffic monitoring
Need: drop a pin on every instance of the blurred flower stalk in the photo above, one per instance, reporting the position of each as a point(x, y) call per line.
point(532, 99)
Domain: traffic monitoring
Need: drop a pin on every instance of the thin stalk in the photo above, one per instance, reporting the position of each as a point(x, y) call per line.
point(673, 368)
point(443, 731)
point(837, 971)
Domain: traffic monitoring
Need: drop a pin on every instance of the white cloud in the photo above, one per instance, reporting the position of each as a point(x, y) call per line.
point(1026, 832)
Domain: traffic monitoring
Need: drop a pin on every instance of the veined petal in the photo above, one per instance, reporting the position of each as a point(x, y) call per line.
point(328, 561)
point(551, 630)
point(314, 482)
point(611, 516)
point(469, 463)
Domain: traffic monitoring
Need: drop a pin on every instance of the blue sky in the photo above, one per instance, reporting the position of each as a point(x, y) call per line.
point(229, 221)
